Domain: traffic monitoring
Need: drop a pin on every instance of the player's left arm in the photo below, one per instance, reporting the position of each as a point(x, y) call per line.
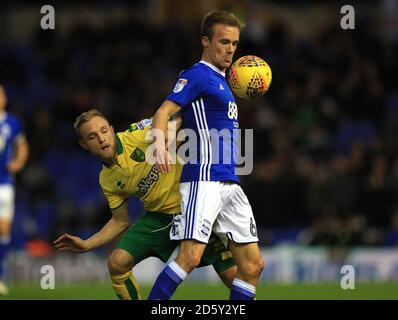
point(21, 154)
point(110, 231)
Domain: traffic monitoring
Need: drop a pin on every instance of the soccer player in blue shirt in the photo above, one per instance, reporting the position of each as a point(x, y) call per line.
point(211, 197)
point(13, 156)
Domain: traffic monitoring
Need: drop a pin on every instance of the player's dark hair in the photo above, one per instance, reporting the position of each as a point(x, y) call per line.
point(85, 117)
point(216, 17)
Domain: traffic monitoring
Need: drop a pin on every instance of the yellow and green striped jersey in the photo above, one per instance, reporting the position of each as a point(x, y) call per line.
point(134, 176)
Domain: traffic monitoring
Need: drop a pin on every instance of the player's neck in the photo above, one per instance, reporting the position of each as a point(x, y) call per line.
point(207, 60)
point(110, 161)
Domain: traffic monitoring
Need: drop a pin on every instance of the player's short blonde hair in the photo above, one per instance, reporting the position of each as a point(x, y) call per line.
point(85, 117)
point(216, 17)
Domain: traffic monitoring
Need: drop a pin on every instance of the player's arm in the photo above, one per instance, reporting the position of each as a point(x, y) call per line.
point(113, 228)
point(173, 126)
point(21, 155)
point(159, 131)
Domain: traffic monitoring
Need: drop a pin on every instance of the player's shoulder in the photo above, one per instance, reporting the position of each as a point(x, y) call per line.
point(198, 70)
point(12, 119)
point(137, 132)
point(106, 178)
point(13, 124)
point(140, 125)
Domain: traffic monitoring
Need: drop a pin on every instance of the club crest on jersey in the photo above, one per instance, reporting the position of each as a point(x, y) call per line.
point(120, 184)
point(181, 83)
point(138, 155)
point(206, 227)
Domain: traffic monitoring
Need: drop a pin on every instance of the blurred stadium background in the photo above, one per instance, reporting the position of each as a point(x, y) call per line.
point(325, 183)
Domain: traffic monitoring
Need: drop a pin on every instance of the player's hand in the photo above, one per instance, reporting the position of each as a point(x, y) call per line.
point(67, 242)
point(162, 160)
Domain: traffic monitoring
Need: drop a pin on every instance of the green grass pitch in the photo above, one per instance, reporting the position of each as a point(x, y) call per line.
point(191, 291)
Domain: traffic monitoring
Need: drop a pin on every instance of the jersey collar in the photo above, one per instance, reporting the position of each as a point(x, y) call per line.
point(119, 145)
point(213, 67)
point(119, 148)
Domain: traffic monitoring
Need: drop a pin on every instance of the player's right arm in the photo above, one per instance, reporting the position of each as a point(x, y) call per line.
point(21, 154)
point(167, 110)
point(189, 86)
point(112, 229)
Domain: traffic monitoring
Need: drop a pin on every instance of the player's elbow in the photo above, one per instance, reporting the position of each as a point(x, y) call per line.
point(124, 225)
point(162, 111)
point(24, 154)
point(167, 110)
point(120, 225)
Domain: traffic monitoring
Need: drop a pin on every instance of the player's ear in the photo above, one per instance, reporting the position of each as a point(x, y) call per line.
point(205, 41)
point(111, 128)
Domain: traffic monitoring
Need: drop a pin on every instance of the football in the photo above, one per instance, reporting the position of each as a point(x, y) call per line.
point(249, 77)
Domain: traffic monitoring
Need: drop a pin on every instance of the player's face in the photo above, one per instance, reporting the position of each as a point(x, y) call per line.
point(3, 98)
point(98, 137)
point(222, 46)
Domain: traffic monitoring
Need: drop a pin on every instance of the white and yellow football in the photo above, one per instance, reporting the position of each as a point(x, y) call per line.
point(249, 77)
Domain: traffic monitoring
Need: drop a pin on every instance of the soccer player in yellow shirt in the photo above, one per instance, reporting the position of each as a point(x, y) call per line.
point(126, 172)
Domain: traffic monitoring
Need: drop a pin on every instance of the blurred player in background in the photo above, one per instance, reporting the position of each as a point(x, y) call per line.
point(13, 156)
point(212, 198)
point(126, 173)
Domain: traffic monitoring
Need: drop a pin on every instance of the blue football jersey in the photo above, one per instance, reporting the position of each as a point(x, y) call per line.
point(208, 107)
point(10, 130)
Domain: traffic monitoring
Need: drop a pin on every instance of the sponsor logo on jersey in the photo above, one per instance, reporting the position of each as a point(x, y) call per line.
point(133, 127)
point(181, 83)
point(146, 122)
point(140, 125)
point(146, 182)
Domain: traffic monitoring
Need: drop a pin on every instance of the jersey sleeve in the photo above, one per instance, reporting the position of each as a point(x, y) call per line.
point(114, 200)
point(189, 86)
point(140, 131)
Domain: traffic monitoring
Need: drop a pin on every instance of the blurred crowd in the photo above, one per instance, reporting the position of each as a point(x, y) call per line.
point(325, 147)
